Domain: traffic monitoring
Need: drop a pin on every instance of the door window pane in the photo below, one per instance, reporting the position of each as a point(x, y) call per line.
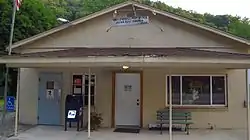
point(50, 85)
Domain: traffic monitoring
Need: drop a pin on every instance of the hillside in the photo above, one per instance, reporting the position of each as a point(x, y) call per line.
point(231, 24)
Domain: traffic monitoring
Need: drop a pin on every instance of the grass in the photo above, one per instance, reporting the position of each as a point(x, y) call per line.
point(1, 102)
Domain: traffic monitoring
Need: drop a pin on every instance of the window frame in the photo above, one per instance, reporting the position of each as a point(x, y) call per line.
point(211, 90)
point(83, 85)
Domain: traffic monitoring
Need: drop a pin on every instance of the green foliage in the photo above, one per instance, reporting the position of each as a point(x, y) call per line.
point(5, 14)
point(239, 27)
point(34, 17)
point(74, 9)
point(1, 102)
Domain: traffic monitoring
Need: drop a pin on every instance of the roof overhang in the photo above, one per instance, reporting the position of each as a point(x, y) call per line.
point(133, 61)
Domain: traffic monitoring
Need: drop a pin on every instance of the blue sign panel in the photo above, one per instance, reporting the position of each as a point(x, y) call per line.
point(10, 105)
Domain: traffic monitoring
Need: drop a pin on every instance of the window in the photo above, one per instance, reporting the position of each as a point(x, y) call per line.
point(81, 86)
point(50, 85)
point(198, 90)
point(92, 89)
point(219, 90)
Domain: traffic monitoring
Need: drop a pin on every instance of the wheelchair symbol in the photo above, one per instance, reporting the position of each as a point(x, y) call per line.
point(10, 103)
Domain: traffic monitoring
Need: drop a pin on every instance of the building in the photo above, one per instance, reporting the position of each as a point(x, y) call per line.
point(130, 68)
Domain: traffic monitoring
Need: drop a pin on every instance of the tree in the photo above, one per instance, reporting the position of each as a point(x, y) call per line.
point(34, 17)
point(239, 27)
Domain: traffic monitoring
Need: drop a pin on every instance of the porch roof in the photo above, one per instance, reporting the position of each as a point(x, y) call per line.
point(134, 57)
point(150, 52)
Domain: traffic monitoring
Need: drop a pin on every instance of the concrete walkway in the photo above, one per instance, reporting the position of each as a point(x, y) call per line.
point(57, 133)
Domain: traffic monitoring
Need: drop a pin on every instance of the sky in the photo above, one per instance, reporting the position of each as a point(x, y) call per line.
point(216, 7)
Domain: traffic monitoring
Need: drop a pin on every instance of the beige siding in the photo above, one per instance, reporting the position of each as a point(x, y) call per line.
point(94, 33)
point(104, 96)
point(65, 90)
point(154, 88)
point(28, 96)
point(29, 93)
point(154, 95)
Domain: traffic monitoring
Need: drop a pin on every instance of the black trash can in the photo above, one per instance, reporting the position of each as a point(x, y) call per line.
point(74, 110)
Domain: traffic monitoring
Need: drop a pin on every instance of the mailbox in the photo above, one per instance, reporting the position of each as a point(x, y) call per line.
point(74, 110)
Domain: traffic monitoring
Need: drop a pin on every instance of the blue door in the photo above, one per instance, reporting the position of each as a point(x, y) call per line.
point(49, 98)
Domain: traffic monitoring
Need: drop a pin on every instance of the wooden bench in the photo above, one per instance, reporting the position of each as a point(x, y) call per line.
point(179, 116)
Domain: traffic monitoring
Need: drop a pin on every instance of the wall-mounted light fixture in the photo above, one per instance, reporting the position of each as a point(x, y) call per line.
point(125, 67)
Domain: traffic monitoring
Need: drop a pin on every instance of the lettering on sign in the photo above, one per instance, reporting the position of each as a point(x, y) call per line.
point(126, 21)
point(128, 88)
point(50, 94)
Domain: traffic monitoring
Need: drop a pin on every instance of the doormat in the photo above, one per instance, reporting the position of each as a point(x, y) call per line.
point(127, 130)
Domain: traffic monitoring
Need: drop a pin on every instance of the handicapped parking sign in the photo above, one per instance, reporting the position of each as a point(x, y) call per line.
point(10, 105)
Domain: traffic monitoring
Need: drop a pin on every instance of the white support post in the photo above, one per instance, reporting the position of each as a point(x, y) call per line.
point(248, 103)
point(89, 104)
point(170, 107)
point(17, 102)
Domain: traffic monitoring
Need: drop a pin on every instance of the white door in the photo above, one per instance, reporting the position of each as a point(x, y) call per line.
point(127, 99)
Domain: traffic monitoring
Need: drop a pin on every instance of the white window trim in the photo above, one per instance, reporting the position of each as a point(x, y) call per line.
point(180, 90)
point(83, 83)
point(211, 89)
point(226, 89)
point(166, 90)
point(211, 94)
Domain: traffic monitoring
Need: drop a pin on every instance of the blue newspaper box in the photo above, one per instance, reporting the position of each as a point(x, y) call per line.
point(74, 110)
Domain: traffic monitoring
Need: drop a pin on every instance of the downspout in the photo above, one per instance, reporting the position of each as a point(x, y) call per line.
point(248, 103)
